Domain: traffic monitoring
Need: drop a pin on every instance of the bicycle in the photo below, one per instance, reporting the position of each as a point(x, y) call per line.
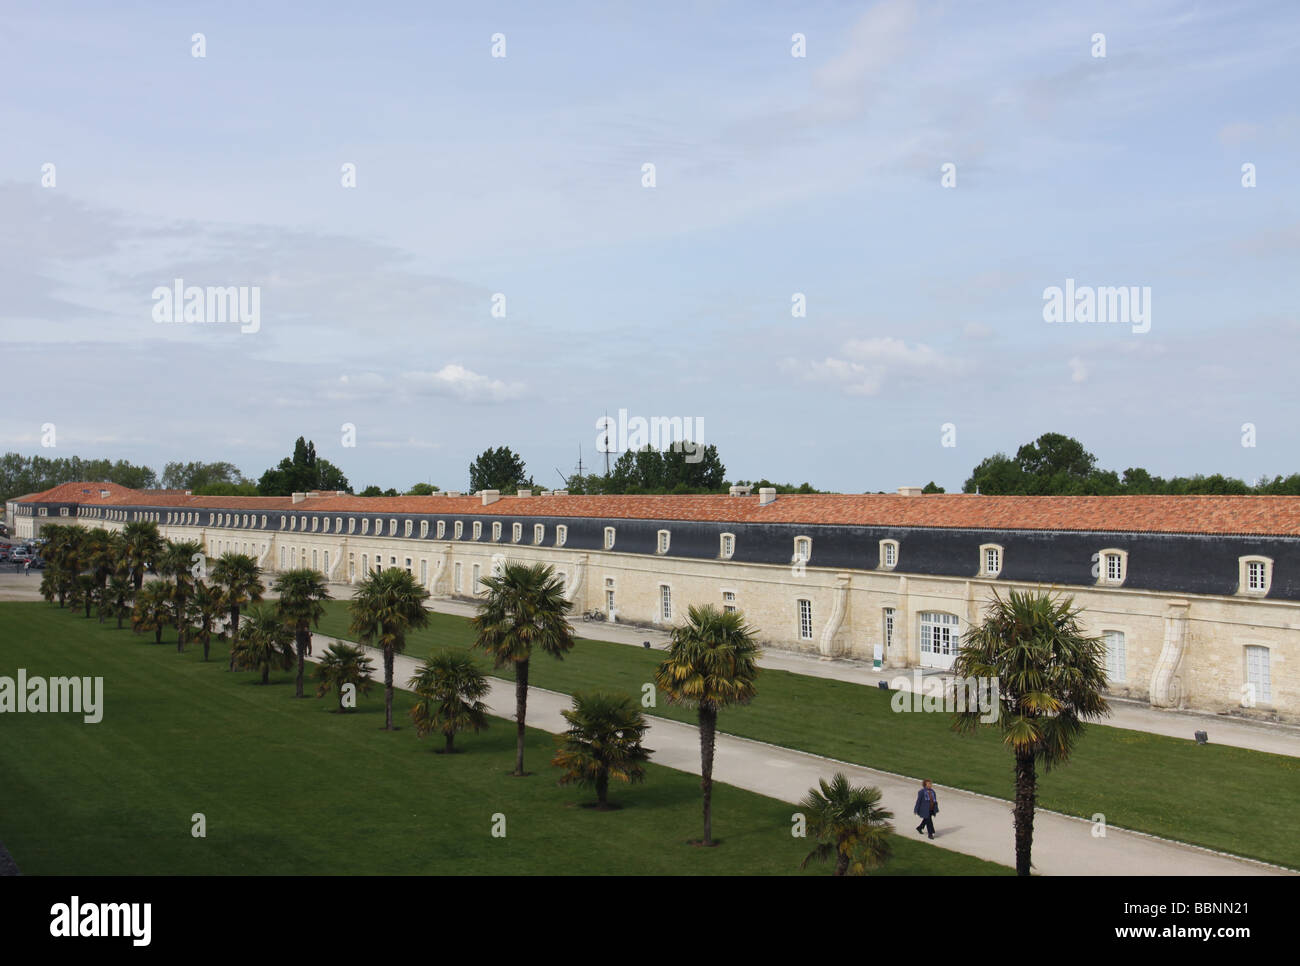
point(593, 615)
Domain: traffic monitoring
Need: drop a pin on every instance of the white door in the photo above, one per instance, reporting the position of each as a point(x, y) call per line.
point(940, 639)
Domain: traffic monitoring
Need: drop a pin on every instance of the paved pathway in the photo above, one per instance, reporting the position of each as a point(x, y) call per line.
point(970, 823)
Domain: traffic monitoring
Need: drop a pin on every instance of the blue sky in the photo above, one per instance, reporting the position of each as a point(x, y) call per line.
point(775, 174)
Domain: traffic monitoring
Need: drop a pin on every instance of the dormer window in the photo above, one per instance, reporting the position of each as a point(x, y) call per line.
point(561, 534)
point(365, 525)
point(1254, 575)
point(409, 524)
point(338, 524)
point(424, 529)
point(496, 532)
point(392, 527)
point(459, 529)
point(727, 546)
point(1112, 567)
point(609, 538)
point(478, 530)
point(990, 560)
point(802, 549)
point(539, 533)
point(352, 524)
point(516, 532)
point(888, 554)
point(442, 529)
point(664, 537)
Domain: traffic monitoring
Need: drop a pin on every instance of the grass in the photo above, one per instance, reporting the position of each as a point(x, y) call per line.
point(287, 787)
point(1232, 799)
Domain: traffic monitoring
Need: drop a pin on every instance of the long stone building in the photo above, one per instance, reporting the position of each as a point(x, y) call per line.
point(1197, 597)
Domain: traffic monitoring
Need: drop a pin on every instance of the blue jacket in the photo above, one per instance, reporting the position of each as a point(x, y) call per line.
point(923, 799)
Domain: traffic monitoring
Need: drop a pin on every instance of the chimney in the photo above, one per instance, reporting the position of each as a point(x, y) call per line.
point(524, 493)
point(299, 497)
point(910, 490)
point(766, 495)
point(489, 496)
point(452, 493)
point(559, 493)
point(741, 491)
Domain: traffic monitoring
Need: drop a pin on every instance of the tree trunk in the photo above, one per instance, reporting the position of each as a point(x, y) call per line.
point(302, 657)
point(1026, 792)
point(602, 788)
point(139, 579)
point(388, 689)
point(207, 639)
point(708, 738)
point(841, 861)
point(119, 622)
point(157, 635)
point(451, 735)
point(521, 712)
point(234, 635)
point(266, 673)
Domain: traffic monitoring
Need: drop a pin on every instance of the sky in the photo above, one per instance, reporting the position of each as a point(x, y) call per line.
point(518, 183)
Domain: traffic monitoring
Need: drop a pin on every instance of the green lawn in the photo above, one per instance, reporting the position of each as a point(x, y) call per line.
point(1232, 799)
point(289, 788)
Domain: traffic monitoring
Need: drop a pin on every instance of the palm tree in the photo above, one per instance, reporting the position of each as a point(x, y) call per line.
point(603, 741)
point(264, 642)
point(712, 662)
point(849, 824)
point(205, 605)
point(56, 581)
point(179, 564)
point(83, 589)
point(341, 665)
point(450, 688)
point(1049, 678)
point(144, 547)
point(524, 609)
point(118, 597)
point(240, 580)
point(302, 596)
point(388, 604)
point(153, 609)
point(101, 555)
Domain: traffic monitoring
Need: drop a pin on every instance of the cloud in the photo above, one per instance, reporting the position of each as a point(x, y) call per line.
point(1078, 370)
point(866, 365)
point(458, 382)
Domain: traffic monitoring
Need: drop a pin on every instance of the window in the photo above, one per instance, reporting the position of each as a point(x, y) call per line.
point(476, 589)
point(609, 538)
point(939, 634)
point(539, 533)
point(609, 596)
point(313, 560)
point(888, 554)
point(424, 571)
point(664, 537)
point(728, 601)
point(408, 566)
point(327, 563)
point(1115, 658)
point(1259, 687)
point(460, 529)
point(442, 529)
point(803, 550)
point(516, 532)
point(282, 563)
point(990, 560)
point(561, 534)
point(562, 581)
point(338, 524)
point(406, 532)
point(456, 578)
point(1255, 574)
point(352, 524)
point(424, 529)
point(392, 561)
point(805, 620)
point(665, 602)
point(365, 525)
point(365, 563)
point(478, 530)
point(315, 522)
point(1112, 567)
point(727, 546)
point(889, 628)
point(63, 512)
point(352, 566)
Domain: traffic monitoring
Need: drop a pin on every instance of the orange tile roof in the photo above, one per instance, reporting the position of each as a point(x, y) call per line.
point(1275, 515)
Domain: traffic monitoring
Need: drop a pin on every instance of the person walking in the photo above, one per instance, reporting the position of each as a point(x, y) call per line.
point(927, 806)
point(27, 566)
